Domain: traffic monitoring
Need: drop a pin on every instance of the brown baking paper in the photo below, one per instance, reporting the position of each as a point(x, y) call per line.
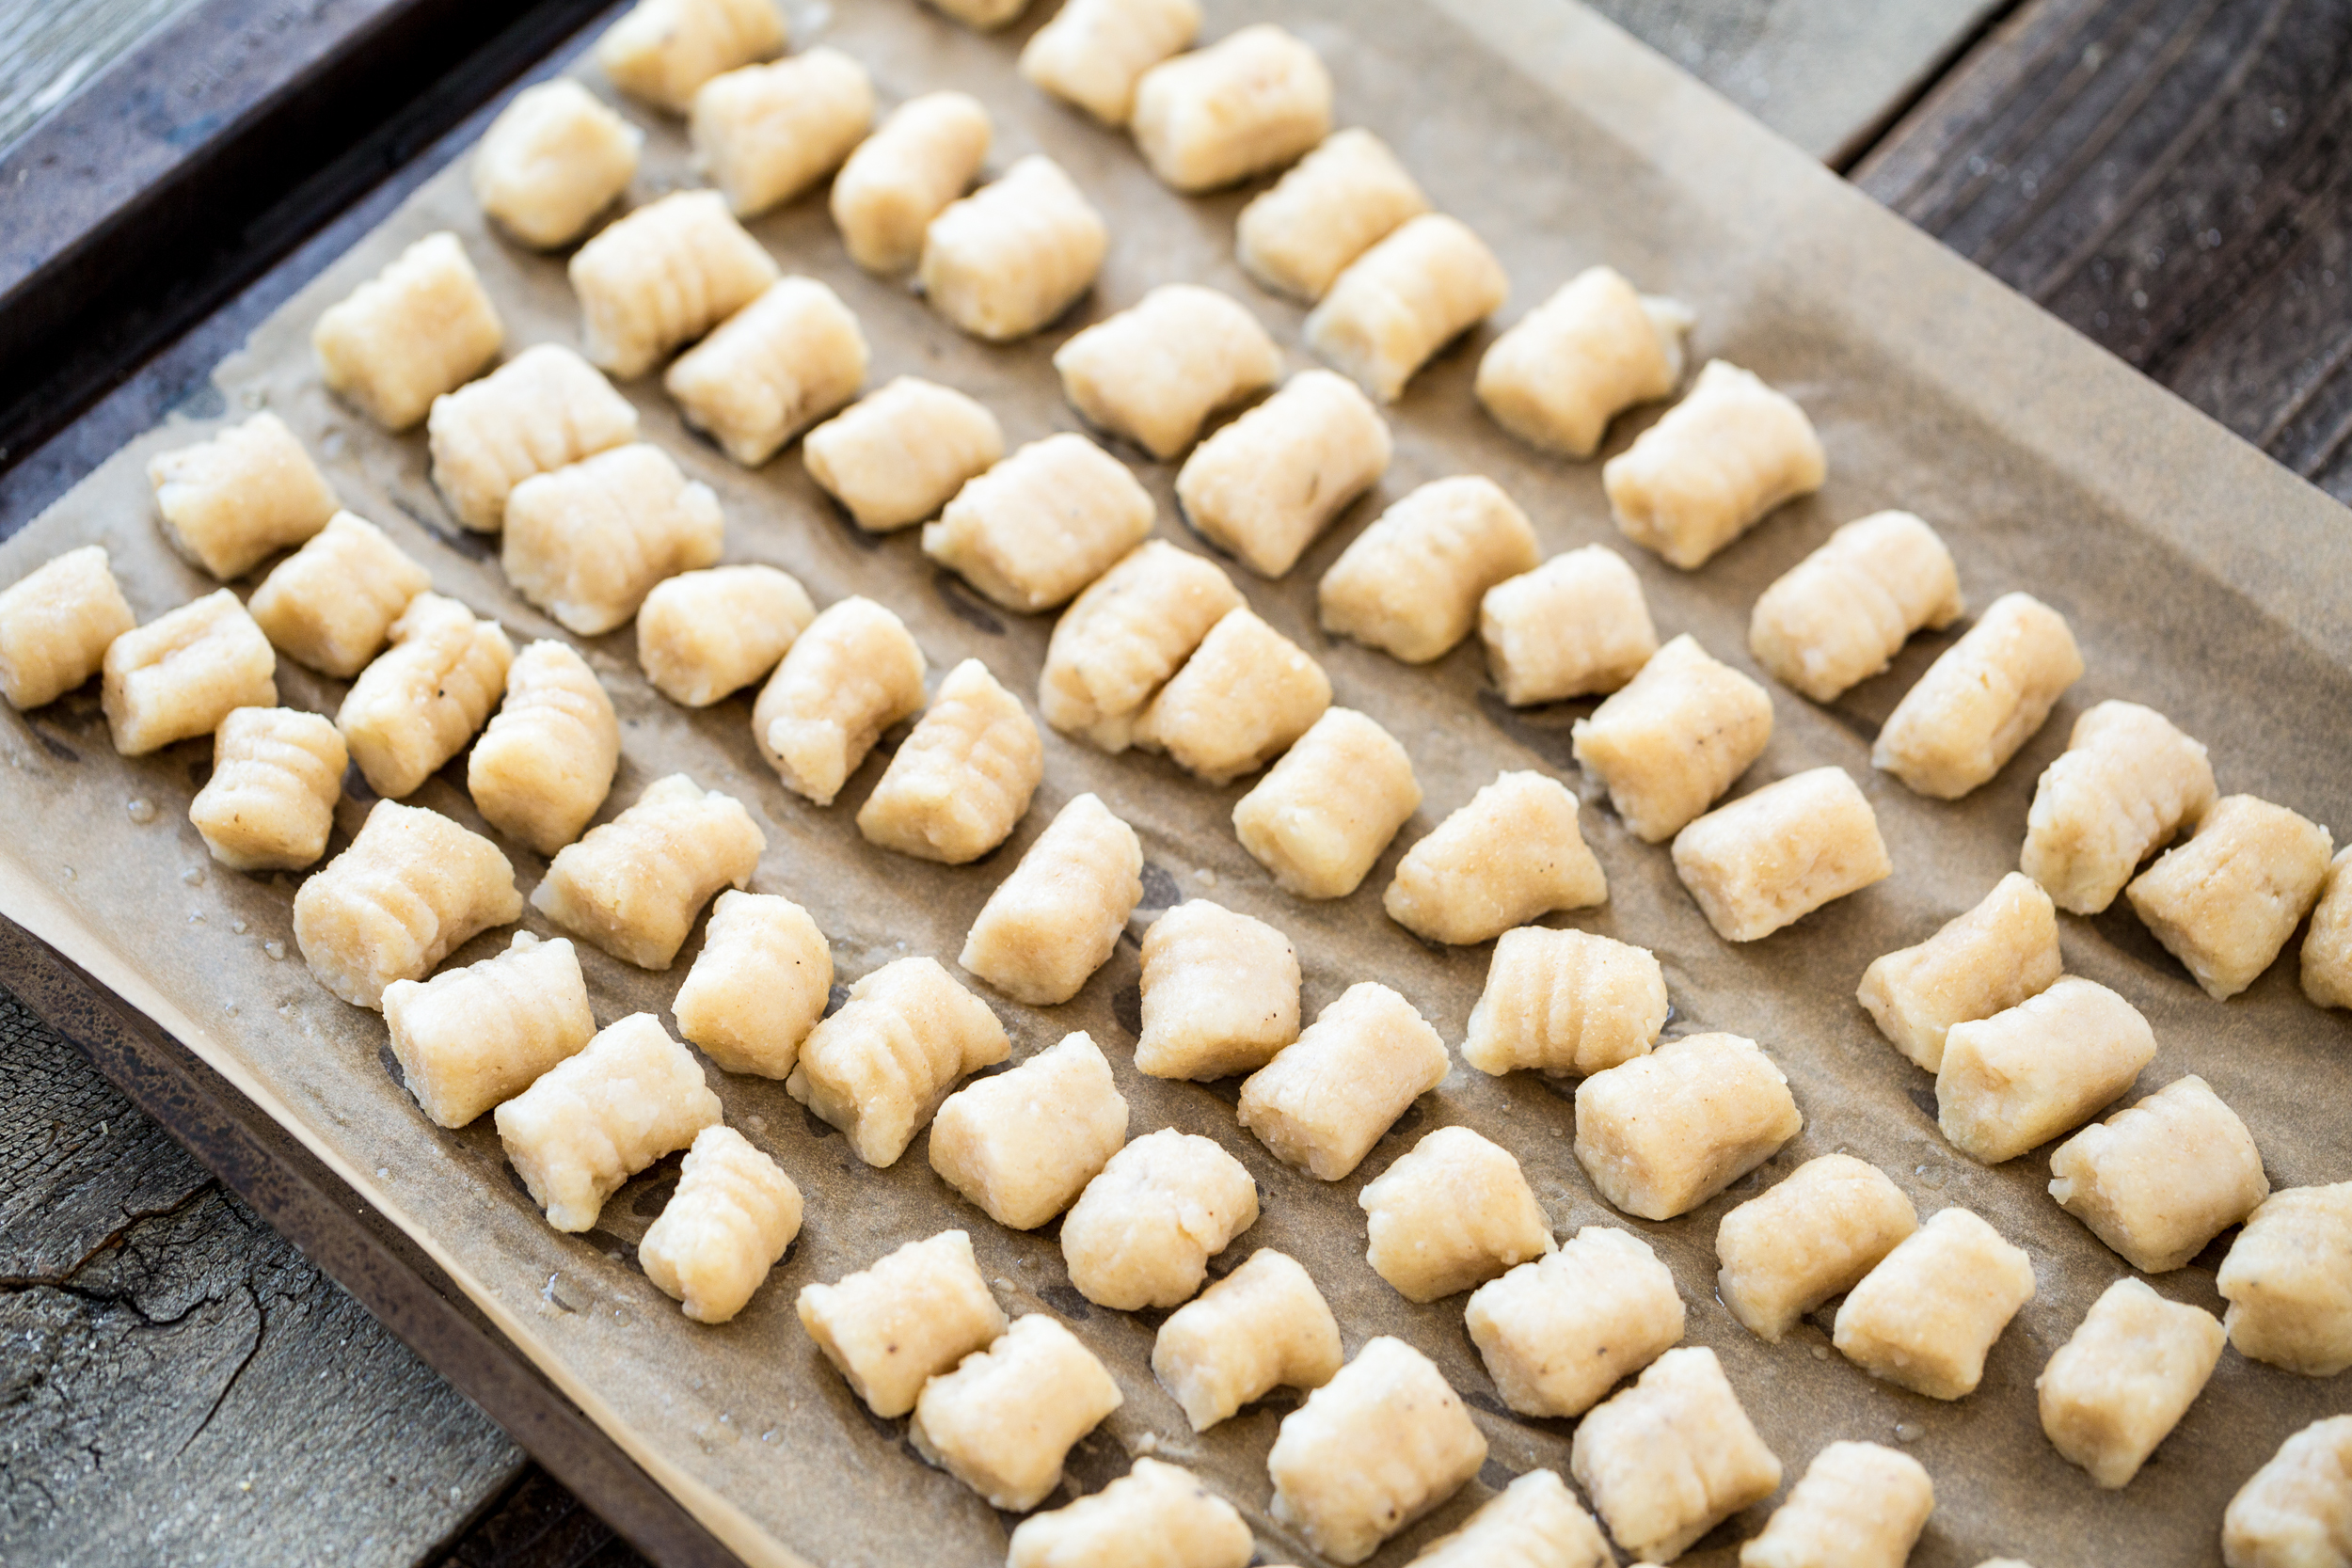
point(2197, 577)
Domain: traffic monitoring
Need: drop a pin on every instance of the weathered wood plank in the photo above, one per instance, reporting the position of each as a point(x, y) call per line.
point(49, 48)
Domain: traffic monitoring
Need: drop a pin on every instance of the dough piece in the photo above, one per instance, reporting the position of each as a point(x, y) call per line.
point(56, 624)
point(2327, 946)
point(663, 51)
point(185, 672)
point(1041, 524)
point(2295, 1512)
point(1120, 640)
point(1266, 485)
point(2226, 902)
point(1674, 739)
point(1661, 1134)
point(1574, 626)
point(1023, 1144)
point(663, 276)
point(229, 503)
point(1156, 371)
point(1247, 105)
point(1858, 1505)
point(1245, 695)
point(423, 698)
point(2288, 1280)
point(1336, 203)
point(1012, 256)
point(982, 15)
point(759, 985)
point(1372, 1451)
point(904, 175)
point(1671, 1457)
point(959, 783)
point(1841, 614)
point(552, 160)
point(1326, 1099)
point(596, 1118)
point(853, 674)
point(881, 1066)
point(545, 763)
point(2122, 1382)
point(1094, 52)
point(903, 1320)
point(1983, 699)
point(2125, 785)
point(1264, 1326)
point(1400, 302)
point(899, 455)
point(1220, 994)
point(2159, 1181)
point(2016, 1080)
point(1143, 1231)
point(587, 543)
point(1713, 466)
point(1155, 1516)
point(1566, 1003)
point(1534, 1522)
point(771, 371)
point(270, 804)
point(1769, 859)
point(701, 636)
point(411, 888)
point(1983, 962)
point(1054, 920)
point(1558, 1333)
point(1809, 1238)
point(731, 1216)
point(542, 410)
point(1454, 1213)
point(331, 604)
point(1412, 584)
point(1324, 813)
point(1926, 1317)
point(1591, 351)
point(1510, 855)
point(473, 1037)
point(1005, 1420)
point(634, 885)
point(421, 327)
point(766, 132)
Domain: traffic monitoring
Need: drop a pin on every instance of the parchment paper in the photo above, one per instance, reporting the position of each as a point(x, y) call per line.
point(2197, 577)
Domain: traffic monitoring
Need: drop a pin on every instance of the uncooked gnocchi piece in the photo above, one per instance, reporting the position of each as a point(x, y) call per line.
point(2295, 1512)
point(1220, 994)
point(1454, 1213)
point(1535, 1522)
point(185, 672)
point(2288, 1280)
point(231, 502)
point(1013, 255)
point(1264, 1326)
point(759, 985)
point(1769, 859)
point(1054, 920)
point(1326, 1098)
point(2016, 1080)
point(730, 1217)
point(1244, 695)
point(1249, 104)
point(899, 455)
point(1926, 1317)
point(587, 543)
point(1143, 1231)
point(542, 410)
point(411, 888)
point(663, 276)
point(1982, 962)
point(903, 1320)
point(634, 885)
point(1266, 485)
point(1156, 371)
point(1983, 699)
point(962, 780)
point(422, 700)
point(595, 1118)
point(1094, 52)
point(1005, 1420)
point(2122, 1382)
point(1673, 738)
point(1661, 1134)
point(1807, 1238)
point(664, 50)
point(1858, 1505)
point(766, 132)
point(1574, 626)
point(270, 804)
point(2126, 783)
point(1323, 815)
point(771, 370)
point(552, 160)
point(1041, 524)
point(2159, 1181)
point(704, 635)
point(471, 1039)
point(1729, 452)
point(1841, 614)
point(421, 327)
point(1400, 302)
point(1372, 1451)
point(853, 674)
point(1121, 638)
point(1155, 1516)
point(879, 1068)
point(1509, 855)
point(56, 626)
point(2226, 902)
point(331, 604)
point(902, 176)
point(1336, 203)
point(1671, 1457)
point(1412, 584)
point(1557, 1334)
point(2327, 946)
point(547, 761)
point(1591, 351)
point(1024, 1144)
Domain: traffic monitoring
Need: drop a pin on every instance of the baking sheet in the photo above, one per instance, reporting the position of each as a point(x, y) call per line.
point(2198, 578)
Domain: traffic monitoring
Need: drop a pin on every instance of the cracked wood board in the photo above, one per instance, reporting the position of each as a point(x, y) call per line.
point(2045, 464)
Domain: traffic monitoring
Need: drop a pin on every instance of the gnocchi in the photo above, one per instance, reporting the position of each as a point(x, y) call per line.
point(1858, 1505)
point(1673, 738)
point(2122, 1382)
point(553, 159)
point(1926, 1317)
point(2326, 973)
point(1415, 291)
point(962, 780)
point(1156, 371)
point(410, 888)
point(183, 673)
point(1143, 1231)
point(1094, 52)
point(1769, 859)
point(422, 700)
point(56, 626)
point(1982, 701)
point(2296, 1510)
point(1511, 854)
point(907, 1317)
point(1806, 1239)
point(331, 605)
point(1264, 1326)
point(1054, 920)
point(1841, 614)
point(1249, 104)
point(879, 1068)
point(1024, 1144)
point(1155, 1516)
point(771, 370)
point(1336, 203)
point(1124, 635)
point(1245, 695)
point(853, 674)
point(1558, 1333)
point(2160, 1179)
point(542, 410)
point(1574, 626)
point(597, 1118)
point(899, 455)
point(2014, 1081)
point(1732, 450)
point(663, 276)
point(1566, 1003)
point(1979, 963)
point(1451, 1215)
point(1327, 1098)
point(759, 985)
point(2286, 1281)
point(1323, 815)
point(1661, 1134)
point(1533, 1523)
point(1012, 256)
point(764, 133)
point(1671, 1457)
point(1219, 994)
point(229, 503)
point(2225, 902)
point(902, 176)
point(1591, 351)
point(663, 51)
point(421, 327)
point(1041, 524)
point(730, 1217)
point(547, 761)
point(2125, 785)
point(634, 885)
point(470, 1039)
point(270, 804)
point(587, 543)
point(1381, 1444)
point(707, 634)
point(1412, 584)
point(1005, 1420)
point(1264, 487)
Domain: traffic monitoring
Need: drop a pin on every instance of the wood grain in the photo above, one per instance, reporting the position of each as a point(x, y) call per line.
point(50, 47)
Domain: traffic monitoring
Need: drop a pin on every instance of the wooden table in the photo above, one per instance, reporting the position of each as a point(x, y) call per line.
point(2173, 177)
